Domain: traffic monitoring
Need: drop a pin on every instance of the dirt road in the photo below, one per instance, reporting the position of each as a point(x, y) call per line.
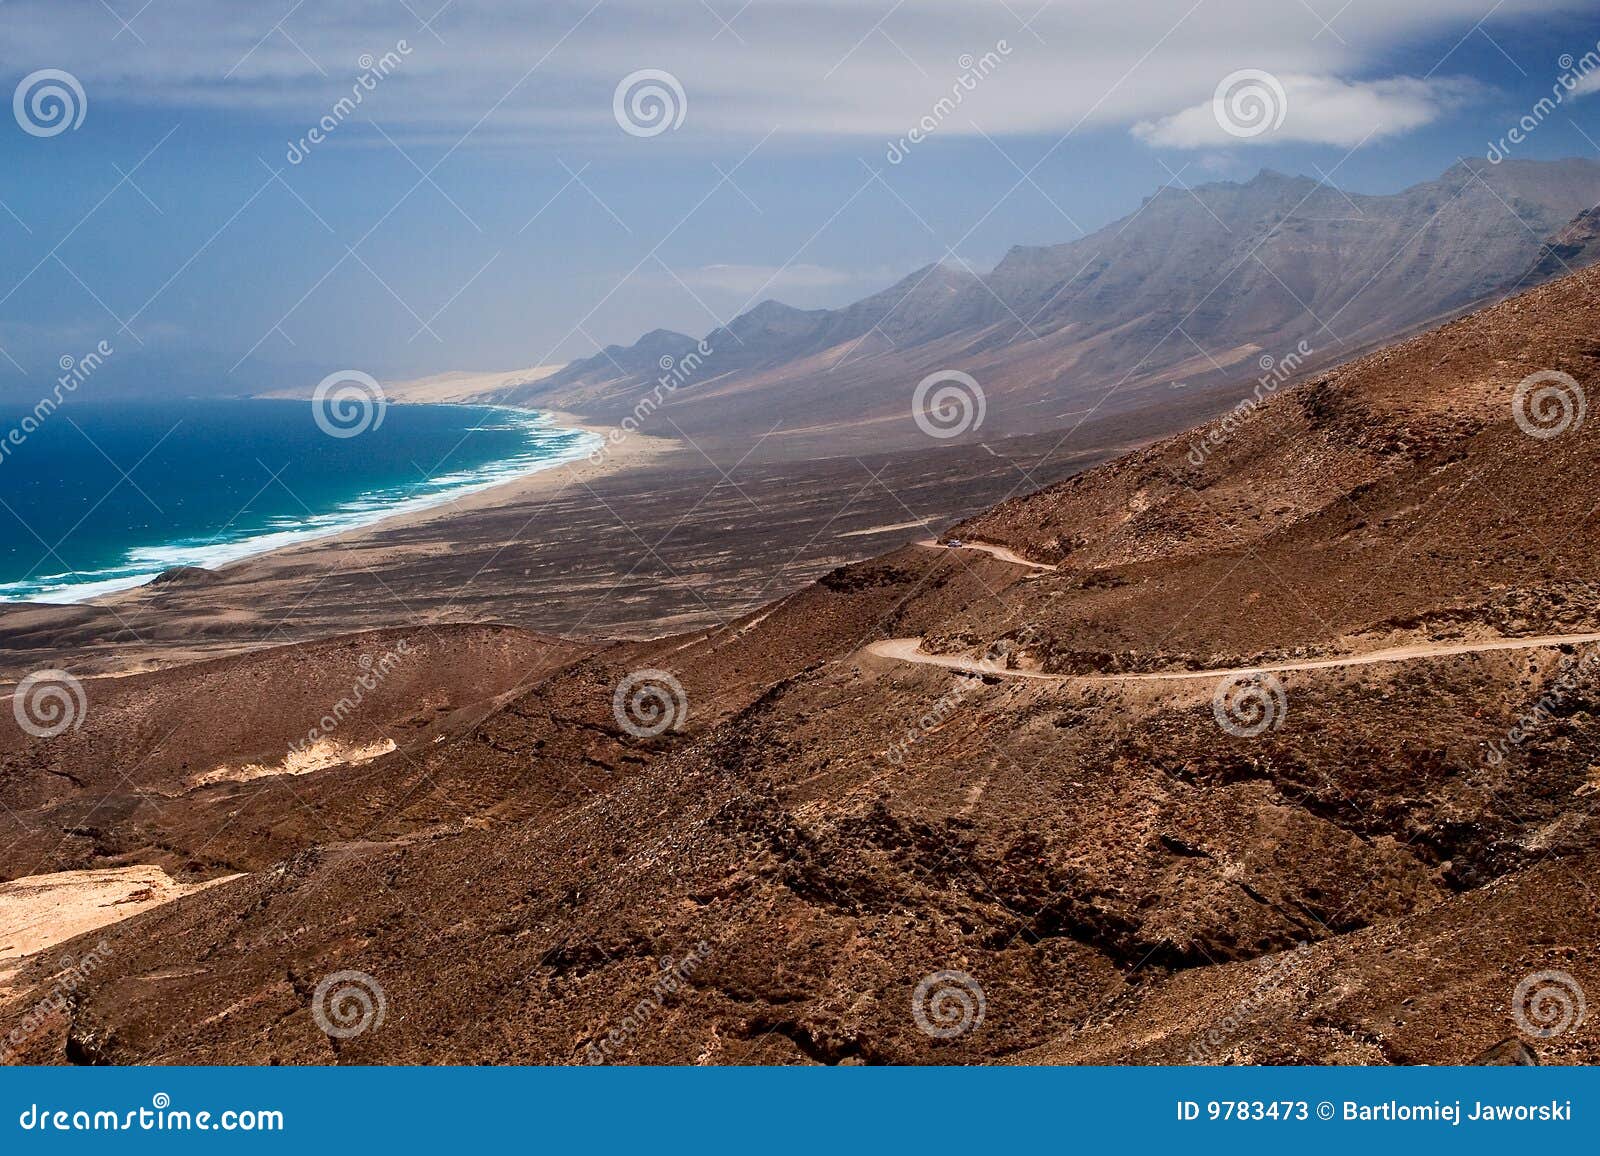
point(992, 550)
point(910, 650)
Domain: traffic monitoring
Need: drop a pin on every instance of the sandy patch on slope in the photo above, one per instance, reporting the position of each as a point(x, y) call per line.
point(319, 756)
point(39, 911)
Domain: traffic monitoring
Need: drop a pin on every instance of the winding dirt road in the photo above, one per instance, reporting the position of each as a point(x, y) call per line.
point(989, 548)
point(910, 650)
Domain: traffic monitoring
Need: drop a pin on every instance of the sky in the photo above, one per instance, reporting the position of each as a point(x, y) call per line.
point(241, 195)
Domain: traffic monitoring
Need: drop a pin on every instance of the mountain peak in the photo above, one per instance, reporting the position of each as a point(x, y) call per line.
point(772, 310)
point(664, 337)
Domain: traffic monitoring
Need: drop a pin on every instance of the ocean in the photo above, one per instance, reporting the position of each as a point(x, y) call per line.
point(103, 497)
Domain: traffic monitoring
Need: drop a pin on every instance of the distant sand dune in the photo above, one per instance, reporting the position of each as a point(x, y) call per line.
point(447, 388)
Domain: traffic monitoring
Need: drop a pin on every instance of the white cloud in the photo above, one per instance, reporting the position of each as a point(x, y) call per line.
point(1587, 85)
point(1314, 109)
point(519, 72)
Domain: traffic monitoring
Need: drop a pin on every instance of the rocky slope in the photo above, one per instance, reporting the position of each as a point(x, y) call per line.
point(1577, 246)
point(826, 856)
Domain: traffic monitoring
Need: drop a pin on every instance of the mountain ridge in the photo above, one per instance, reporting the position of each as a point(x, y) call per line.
point(1105, 321)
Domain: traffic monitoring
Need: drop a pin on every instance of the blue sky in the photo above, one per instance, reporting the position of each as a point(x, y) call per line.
point(485, 208)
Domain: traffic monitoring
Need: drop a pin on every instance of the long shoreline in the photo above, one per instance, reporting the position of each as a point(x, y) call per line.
point(548, 479)
point(543, 483)
point(219, 556)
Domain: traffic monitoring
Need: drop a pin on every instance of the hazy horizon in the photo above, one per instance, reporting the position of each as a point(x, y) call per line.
point(493, 200)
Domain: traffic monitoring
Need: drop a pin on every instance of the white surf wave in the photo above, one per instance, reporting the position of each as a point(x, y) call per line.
point(141, 564)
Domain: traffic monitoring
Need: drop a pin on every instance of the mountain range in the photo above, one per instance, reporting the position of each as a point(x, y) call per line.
point(1193, 289)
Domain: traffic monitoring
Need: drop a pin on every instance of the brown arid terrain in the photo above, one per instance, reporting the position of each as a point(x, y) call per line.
point(1271, 741)
point(655, 538)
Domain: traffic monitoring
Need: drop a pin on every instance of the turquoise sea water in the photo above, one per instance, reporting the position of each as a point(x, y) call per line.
point(101, 497)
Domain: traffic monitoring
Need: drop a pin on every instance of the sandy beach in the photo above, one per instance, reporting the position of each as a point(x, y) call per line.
point(648, 538)
point(631, 452)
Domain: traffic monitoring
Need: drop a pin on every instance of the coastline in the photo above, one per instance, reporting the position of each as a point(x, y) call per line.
point(543, 482)
point(547, 480)
point(366, 513)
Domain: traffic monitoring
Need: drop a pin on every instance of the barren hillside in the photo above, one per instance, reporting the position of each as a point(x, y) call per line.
point(845, 857)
